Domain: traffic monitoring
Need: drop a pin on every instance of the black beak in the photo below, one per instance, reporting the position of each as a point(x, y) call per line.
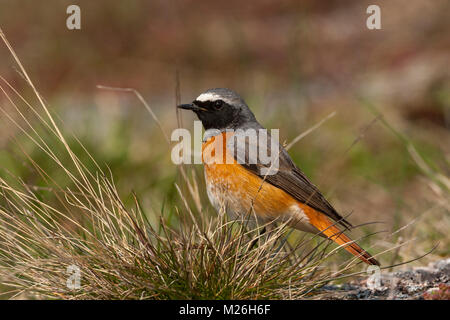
point(190, 106)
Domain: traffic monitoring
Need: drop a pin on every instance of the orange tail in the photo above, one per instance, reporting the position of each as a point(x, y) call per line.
point(321, 222)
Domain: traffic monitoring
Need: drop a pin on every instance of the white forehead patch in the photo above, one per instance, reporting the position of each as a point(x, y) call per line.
point(209, 96)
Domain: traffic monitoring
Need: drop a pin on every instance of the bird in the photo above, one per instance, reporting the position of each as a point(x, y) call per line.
point(240, 183)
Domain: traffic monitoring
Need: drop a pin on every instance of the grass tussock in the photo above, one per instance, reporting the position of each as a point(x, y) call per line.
point(120, 256)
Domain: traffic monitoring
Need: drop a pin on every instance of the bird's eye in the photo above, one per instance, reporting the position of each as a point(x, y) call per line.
point(218, 104)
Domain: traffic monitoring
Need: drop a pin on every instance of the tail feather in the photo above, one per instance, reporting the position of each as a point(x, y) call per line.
point(327, 227)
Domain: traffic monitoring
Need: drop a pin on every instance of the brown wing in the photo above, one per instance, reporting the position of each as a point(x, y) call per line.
point(288, 177)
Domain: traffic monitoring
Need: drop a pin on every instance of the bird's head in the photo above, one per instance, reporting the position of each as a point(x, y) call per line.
point(221, 108)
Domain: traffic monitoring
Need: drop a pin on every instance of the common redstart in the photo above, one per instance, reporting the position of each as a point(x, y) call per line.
point(239, 182)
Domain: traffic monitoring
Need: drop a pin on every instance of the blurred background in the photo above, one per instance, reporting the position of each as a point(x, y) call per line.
point(294, 62)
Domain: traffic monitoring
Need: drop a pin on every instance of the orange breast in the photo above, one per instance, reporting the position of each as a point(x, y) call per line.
point(232, 187)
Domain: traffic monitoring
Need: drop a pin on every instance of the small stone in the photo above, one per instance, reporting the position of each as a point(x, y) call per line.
point(398, 285)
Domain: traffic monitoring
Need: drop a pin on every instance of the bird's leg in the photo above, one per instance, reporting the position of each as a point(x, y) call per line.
point(256, 240)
